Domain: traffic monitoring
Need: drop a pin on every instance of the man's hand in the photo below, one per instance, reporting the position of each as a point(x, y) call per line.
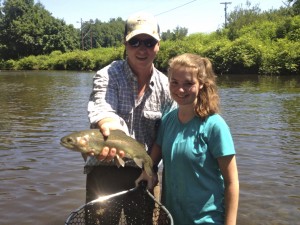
point(108, 154)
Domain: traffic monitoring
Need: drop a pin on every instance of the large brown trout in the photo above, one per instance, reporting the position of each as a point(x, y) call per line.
point(92, 140)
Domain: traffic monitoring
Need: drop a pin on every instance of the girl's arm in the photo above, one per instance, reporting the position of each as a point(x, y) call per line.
point(156, 154)
point(229, 172)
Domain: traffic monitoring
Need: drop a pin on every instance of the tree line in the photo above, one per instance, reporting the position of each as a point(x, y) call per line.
point(29, 29)
point(252, 42)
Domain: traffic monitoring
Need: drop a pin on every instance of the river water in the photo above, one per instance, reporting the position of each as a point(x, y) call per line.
point(41, 182)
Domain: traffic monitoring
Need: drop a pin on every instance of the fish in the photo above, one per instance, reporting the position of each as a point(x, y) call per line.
point(92, 140)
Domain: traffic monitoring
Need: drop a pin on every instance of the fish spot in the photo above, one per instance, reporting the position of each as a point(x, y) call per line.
point(86, 137)
point(82, 141)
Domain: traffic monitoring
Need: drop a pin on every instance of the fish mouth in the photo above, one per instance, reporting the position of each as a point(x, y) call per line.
point(65, 144)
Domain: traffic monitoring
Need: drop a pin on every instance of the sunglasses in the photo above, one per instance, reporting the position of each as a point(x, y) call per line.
point(149, 43)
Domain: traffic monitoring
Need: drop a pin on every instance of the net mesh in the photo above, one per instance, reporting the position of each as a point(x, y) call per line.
point(134, 207)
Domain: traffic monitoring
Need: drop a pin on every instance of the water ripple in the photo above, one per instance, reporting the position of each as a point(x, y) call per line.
point(39, 178)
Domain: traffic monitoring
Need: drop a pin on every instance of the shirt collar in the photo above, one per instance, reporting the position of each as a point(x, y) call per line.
point(131, 75)
point(128, 71)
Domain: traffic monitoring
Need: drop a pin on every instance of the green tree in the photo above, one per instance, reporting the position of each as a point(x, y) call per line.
point(95, 34)
point(241, 17)
point(168, 35)
point(29, 29)
point(110, 34)
point(289, 27)
point(178, 34)
point(1, 21)
point(295, 6)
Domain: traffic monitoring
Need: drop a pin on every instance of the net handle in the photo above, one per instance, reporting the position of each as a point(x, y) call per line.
point(161, 206)
point(142, 184)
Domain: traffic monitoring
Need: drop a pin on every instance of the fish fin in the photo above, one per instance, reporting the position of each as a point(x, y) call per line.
point(119, 161)
point(138, 162)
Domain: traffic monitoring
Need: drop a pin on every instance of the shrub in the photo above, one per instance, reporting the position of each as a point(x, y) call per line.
point(78, 60)
point(7, 65)
point(213, 52)
point(241, 56)
point(42, 62)
point(104, 56)
point(281, 58)
point(28, 63)
point(170, 49)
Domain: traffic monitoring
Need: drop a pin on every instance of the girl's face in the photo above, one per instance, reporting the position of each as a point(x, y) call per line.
point(184, 86)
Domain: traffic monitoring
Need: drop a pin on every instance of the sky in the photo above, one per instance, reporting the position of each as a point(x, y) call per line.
point(203, 16)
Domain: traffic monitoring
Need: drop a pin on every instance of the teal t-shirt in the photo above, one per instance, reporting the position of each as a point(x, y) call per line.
point(193, 187)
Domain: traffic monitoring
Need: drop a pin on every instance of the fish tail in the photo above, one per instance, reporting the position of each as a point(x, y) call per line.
point(148, 169)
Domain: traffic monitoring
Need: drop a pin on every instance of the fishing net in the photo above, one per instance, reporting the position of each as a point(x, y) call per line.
point(136, 206)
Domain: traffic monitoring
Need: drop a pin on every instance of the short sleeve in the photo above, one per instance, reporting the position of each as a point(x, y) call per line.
point(220, 141)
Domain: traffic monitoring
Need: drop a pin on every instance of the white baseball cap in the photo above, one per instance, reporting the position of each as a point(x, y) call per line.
point(141, 23)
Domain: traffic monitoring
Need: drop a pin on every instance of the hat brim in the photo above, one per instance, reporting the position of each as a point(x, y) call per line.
point(137, 32)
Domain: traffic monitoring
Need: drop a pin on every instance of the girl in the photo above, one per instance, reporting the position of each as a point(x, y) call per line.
point(200, 177)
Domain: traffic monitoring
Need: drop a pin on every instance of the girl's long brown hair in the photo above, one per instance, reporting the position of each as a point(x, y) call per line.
point(208, 101)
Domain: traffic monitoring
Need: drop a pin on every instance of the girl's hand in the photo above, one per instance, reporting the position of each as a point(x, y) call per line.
point(151, 181)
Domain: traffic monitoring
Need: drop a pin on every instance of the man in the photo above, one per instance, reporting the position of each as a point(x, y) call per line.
point(131, 95)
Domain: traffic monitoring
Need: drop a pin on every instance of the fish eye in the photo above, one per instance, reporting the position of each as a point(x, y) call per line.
point(70, 140)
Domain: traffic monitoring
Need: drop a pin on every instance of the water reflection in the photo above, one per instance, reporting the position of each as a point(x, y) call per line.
point(41, 182)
